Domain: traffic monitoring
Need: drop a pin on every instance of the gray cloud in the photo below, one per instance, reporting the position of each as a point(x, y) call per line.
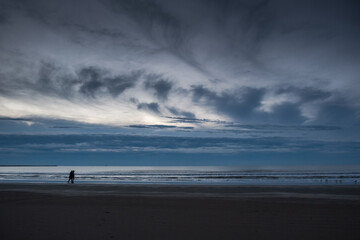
point(96, 31)
point(243, 105)
point(161, 86)
point(152, 107)
point(185, 114)
point(338, 112)
point(196, 120)
point(152, 126)
point(286, 113)
point(306, 94)
point(92, 80)
point(240, 104)
point(14, 119)
point(89, 81)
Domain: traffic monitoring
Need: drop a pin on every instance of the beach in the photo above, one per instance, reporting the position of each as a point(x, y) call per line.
point(115, 211)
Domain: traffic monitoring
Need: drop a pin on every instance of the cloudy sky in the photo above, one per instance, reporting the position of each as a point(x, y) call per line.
point(194, 82)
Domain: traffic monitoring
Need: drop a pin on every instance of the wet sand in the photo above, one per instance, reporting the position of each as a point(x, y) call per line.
point(60, 211)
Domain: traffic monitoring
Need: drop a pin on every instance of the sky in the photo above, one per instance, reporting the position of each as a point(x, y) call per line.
point(193, 82)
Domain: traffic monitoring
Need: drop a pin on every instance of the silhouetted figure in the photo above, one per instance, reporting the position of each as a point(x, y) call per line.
point(71, 176)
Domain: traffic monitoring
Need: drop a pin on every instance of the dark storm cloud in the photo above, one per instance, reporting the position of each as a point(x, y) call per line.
point(286, 113)
point(240, 104)
point(93, 79)
point(53, 81)
point(88, 81)
point(332, 107)
point(338, 112)
point(161, 86)
point(243, 104)
point(152, 107)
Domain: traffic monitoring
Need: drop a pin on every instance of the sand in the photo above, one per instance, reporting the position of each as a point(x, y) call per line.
point(60, 211)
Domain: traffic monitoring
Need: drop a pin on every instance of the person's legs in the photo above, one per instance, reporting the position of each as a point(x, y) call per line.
point(72, 180)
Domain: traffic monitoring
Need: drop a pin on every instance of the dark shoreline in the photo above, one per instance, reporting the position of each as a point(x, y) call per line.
point(61, 211)
point(25, 165)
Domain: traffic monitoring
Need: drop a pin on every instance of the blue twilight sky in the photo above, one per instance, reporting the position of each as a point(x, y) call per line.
point(193, 82)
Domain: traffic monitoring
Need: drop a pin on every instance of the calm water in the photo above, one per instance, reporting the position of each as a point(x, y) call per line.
point(185, 175)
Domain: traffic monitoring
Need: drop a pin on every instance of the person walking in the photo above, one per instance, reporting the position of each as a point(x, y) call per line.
point(71, 176)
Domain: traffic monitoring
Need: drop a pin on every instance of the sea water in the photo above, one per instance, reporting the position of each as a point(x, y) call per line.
point(304, 175)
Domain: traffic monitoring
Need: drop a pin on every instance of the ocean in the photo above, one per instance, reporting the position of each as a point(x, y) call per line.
point(202, 175)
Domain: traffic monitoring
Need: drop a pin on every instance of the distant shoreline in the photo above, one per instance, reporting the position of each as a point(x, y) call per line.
point(29, 165)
